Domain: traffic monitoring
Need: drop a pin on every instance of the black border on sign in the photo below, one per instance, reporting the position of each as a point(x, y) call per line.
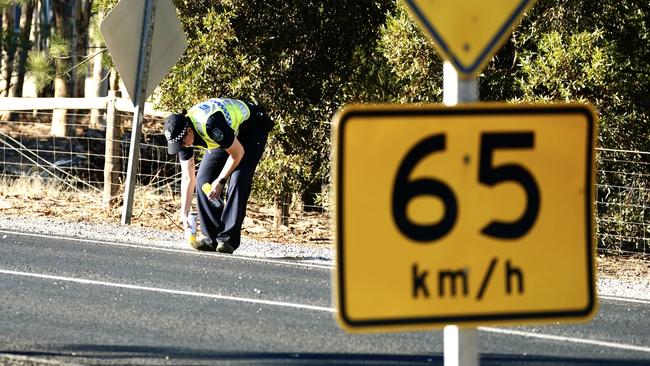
point(488, 49)
point(387, 111)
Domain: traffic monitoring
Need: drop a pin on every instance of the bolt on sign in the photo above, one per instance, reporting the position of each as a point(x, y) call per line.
point(471, 215)
point(468, 32)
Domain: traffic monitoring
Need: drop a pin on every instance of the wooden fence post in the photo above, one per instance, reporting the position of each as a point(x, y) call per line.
point(112, 166)
point(281, 214)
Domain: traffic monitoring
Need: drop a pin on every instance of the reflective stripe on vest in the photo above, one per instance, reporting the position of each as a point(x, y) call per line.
point(234, 111)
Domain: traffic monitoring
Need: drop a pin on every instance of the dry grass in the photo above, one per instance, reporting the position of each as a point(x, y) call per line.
point(631, 266)
point(34, 197)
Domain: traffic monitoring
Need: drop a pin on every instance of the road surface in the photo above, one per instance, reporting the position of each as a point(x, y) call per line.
point(70, 301)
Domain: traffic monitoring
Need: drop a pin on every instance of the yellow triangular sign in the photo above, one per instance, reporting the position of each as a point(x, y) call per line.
point(468, 32)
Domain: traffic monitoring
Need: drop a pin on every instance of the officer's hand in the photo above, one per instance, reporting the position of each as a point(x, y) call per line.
point(217, 188)
point(184, 222)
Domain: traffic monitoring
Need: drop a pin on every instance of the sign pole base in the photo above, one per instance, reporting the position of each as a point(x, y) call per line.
point(460, 346)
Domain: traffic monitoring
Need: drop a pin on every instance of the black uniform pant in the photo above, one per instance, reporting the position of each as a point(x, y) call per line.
point(224, 225)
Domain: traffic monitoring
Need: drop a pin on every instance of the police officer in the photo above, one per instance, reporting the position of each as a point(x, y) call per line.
point(233, 134)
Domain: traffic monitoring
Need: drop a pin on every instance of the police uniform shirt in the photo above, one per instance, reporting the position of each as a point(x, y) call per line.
point(219, 131)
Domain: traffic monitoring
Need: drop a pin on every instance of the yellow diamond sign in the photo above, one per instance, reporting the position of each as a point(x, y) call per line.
point(468, 32)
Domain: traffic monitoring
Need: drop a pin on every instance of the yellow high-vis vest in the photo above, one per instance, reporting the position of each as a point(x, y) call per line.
point(234, 111)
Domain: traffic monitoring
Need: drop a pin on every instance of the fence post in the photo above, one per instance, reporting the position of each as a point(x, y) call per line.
point(281, 214)
point(112, 166)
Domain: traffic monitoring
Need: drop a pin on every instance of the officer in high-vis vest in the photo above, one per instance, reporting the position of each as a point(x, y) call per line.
point(232, 134)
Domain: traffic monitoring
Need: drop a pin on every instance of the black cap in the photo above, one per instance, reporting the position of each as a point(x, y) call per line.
point(175, 129)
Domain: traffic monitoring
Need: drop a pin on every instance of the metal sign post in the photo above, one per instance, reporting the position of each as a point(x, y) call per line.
point(140, 97)
point(460, 345)
point(159, 49)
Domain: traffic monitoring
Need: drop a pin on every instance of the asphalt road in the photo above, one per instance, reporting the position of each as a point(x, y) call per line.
point(83, 302)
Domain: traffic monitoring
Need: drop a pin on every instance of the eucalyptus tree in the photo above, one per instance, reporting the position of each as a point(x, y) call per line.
point(58, 63)
point(63, 50)
point(9, 43)
point(24, 45)
point(16, 27)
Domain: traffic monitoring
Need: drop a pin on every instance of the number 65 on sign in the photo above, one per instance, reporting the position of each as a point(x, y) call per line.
point(479, 214)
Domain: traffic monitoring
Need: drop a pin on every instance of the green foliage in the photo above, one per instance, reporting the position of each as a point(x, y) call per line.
point(209, 64)
point(277, 173)
point(294, 57)
point(304, 60)
point(415, 68)
point(570, 50)
point(402, 66)
point(565, 68)
point(7, 3)
point(595, 51)
point(59, 47)
point(103, 5)
point(41, 67)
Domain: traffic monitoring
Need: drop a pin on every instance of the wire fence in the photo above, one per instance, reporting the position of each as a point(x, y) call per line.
point(27, 149)
point(623, 201)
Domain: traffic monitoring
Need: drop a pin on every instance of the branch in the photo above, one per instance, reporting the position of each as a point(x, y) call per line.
point(85, 60)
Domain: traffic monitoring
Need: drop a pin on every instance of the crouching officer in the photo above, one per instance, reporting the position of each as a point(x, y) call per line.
point(233, 134)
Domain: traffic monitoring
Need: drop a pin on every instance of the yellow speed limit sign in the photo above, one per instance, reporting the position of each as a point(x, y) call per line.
point(478, 214)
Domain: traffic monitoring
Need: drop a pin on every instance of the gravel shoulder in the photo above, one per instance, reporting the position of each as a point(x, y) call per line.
point(617, 277)
point(315, 254)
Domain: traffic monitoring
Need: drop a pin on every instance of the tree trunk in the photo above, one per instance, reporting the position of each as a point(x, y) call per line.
point(44, 27)
point(112, 166)
point(72, 14)
point(114, 80)
point(83, 50)
point(18, 81)
point(99, 82)
point(9, 50)
point(74, 44)
point(62, 24)
point(2, 45)
point(17, 78)
point(35, 39)
point(281, 214)
point(60, 116)
point(2, 28)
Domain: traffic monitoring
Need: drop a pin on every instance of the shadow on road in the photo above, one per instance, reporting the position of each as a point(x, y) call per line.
point(142, 355)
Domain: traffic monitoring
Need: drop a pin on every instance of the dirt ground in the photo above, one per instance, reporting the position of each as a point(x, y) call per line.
point(25, 197)
point(156, 212)
point(159, 212)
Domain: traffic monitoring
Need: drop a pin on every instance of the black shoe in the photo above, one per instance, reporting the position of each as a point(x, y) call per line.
point(225, 248)
point(204, 245)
